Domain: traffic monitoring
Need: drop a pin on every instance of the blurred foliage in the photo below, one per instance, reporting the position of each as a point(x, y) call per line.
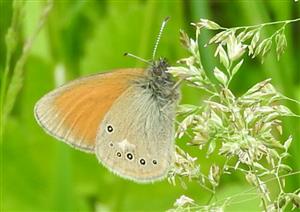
point(40, 173)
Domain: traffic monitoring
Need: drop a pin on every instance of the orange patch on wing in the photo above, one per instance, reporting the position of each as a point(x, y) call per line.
point(84, 103)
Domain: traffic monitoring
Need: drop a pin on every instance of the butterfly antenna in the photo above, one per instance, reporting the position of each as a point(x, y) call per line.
point(136, 57)
point(159, 35)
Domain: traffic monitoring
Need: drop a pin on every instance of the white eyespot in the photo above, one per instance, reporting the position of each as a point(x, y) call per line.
point(154, 162)
point(142, 161)
point(109, 128)
point(129, 156)
point(119, 154)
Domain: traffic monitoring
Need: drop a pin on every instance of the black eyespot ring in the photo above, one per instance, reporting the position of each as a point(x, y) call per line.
point(119, 154)
point(111, 144)
point(129, 156)
point(110, 129)
point(142, 161)
point(154, 162)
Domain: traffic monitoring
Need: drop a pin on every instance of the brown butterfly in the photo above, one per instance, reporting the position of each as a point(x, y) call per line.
point(125, 117)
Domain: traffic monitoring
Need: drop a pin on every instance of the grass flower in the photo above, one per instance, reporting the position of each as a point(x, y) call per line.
point(245, 130)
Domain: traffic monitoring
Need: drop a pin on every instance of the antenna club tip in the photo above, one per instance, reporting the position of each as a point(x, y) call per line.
point(125, 54)
point(167, 19)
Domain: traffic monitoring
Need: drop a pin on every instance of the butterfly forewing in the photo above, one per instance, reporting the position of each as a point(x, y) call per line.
point(73, 113)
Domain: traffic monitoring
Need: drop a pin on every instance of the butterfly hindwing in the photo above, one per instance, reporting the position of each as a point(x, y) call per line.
point(135, 139)
point(73, 113)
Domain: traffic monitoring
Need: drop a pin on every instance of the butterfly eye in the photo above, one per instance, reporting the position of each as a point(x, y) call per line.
point(157, 71)
point(129, 156)
point(119, 154)
point(154, 162)
point(110, 129)
point(142, 161)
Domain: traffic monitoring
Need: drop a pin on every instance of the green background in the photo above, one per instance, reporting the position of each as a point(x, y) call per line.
point(42, 174)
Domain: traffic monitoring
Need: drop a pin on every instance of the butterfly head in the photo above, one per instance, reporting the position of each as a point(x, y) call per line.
point(159, 68)
point(157, 72)
point(160, 82)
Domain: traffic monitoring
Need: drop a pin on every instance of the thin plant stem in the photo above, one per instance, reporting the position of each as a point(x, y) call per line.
point(10, 89)
point(263, 198)
point(10, 41)
point(264, 24)
point(17, 80)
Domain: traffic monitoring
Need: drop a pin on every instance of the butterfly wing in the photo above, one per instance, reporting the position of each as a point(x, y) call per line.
point(135, 138)
point(72, 113)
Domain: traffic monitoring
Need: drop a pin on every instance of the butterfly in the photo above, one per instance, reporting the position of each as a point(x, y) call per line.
point(124, 117)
